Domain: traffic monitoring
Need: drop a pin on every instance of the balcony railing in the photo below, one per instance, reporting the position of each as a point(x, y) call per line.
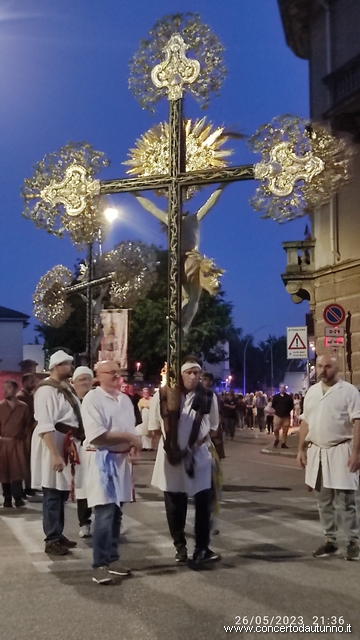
point(343, 82)
point(299, 256)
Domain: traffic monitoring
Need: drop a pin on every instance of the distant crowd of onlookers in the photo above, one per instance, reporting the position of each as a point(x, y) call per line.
point(258, 410)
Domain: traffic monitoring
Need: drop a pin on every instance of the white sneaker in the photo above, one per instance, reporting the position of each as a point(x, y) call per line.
point(116, 569)
point(101, 575)
point(123, 530)
point(85, 531)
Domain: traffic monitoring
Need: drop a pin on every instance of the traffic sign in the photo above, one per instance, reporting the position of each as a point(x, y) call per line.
point(296, 339)
point(334, 314)
point(334, 331)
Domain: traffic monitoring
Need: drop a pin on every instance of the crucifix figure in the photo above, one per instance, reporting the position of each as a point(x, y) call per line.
point(192, 283)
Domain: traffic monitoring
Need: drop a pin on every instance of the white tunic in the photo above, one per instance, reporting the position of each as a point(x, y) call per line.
point(330, 418)
point(174, 478)
point(50, 407)
point(102, 412)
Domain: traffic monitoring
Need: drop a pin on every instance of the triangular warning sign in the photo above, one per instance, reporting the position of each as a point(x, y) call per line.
point(296, 343)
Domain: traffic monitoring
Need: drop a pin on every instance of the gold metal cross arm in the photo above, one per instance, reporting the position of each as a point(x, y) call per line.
point(195, 178)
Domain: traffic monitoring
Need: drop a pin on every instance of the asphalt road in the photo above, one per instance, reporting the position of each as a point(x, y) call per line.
point(268, 530)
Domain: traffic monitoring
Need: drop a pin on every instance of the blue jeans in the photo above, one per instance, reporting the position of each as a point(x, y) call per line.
point(53, 513)
point(106, 534)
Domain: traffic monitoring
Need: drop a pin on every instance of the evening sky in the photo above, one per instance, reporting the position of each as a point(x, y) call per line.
point(64, 76)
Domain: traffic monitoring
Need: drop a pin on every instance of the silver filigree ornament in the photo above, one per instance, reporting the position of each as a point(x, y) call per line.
point(176, 70)
point(50, 298)
point(285, 168)
point(205, 48)
point(133, 265)
point(73, 191)
point(303, 165)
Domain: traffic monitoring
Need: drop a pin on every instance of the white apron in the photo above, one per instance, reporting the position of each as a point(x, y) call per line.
point(335, 472)
point(94, 492)
point(42, 473)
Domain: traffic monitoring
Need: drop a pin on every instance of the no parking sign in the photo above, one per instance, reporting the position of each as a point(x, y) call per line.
point(334, 314)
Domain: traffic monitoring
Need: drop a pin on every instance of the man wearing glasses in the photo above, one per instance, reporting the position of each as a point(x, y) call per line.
point(111, 444)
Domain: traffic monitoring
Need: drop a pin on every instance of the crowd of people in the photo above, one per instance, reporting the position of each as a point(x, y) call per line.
point(258, 410)
point(78, 432)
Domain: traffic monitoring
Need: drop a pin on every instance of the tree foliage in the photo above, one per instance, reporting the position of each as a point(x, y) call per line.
point(212, 325)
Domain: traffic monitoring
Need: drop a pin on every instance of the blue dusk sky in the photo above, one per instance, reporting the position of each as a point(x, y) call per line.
point(64, 76)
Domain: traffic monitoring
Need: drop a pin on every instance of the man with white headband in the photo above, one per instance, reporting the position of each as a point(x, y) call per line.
point(55, 442)
point(183, 464)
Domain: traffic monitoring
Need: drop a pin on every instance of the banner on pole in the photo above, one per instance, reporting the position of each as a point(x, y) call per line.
point(296, 343)
point(114, 343)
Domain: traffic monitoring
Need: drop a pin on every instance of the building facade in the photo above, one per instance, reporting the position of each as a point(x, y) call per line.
point(325, 267)
point(12, 324)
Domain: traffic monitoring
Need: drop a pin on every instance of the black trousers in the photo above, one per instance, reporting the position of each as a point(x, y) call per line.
point(176, 510)
point(249, 418)
point(83, 511)
point(12, 490)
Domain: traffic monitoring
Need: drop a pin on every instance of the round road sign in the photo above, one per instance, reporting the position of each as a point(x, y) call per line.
point(334, 314)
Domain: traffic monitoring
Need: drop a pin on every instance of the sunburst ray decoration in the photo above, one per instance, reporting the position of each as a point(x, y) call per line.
point(204, 143)
point(82, 228)
point(50, 305)
point(134, 268)
point(328, 170)
point(203, 45)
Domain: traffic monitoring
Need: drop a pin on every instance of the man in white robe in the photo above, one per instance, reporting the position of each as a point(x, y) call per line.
point(82, 381)
point(189, 473)
point(329, 450)
point(110, 444)
point(57, 412)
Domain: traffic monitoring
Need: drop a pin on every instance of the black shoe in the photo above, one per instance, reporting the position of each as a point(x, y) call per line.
point(56, 548)
point(326, 550)
point(352, 551)
point(30, 492)
point(276, 443)
point(19, 502)
point(7, 503)
point(181, 554)
point(70, 544)
point(204, 556)
point(284, 446)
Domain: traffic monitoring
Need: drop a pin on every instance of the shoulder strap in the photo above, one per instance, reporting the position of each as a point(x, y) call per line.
point(69, 396)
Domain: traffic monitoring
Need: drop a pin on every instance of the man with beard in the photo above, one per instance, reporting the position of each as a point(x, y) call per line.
point(14, 422)
point(329, 450)
point(55, 449)
point(183, 466)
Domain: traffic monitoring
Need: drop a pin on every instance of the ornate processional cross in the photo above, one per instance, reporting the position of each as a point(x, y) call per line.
point(282, 171)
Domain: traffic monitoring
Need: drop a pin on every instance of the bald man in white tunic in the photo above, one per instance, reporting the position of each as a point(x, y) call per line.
point(110, 443)
point(329, 450)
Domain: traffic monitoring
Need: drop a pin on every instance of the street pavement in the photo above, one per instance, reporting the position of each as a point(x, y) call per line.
point(268, 529)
